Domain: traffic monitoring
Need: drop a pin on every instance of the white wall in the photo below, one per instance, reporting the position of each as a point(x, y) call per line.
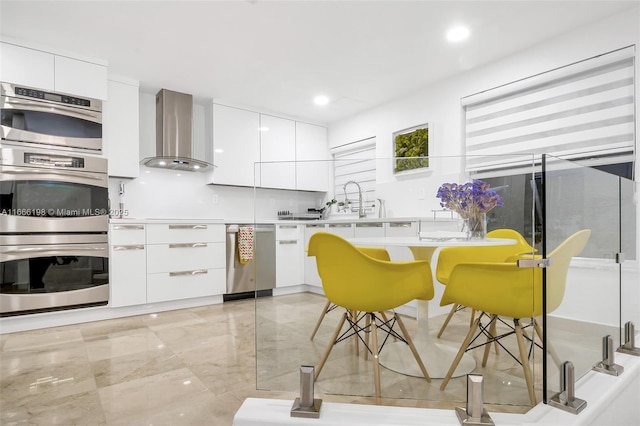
point(439, 105)
point(161, 193)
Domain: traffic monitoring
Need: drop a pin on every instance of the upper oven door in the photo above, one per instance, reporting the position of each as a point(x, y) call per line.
point(34, 200)
point(43, 121)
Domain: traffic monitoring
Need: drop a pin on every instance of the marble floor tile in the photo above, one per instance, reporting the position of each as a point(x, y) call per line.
point(196, 366)
point(42, 339)
point(140, 341)
point(77, 409)
point(150, 394)
point(112, 371)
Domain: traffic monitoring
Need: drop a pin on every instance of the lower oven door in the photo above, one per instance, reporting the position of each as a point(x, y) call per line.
point(42, 200)
point(53, 275)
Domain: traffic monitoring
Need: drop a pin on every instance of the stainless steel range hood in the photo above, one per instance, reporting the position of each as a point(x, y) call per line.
point(174, 122)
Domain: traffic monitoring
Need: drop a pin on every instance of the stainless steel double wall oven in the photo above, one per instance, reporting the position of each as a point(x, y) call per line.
point(53, 203)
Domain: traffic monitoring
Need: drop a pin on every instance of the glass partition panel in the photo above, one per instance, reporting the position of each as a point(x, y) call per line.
point(630, 276)
point(367, 203)
point(582, 210)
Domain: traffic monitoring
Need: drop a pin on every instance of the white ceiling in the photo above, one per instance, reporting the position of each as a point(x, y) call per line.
point(276, 55)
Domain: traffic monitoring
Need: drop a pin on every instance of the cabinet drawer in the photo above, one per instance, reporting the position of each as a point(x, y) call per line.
point(185, 233)
point(288, 232)
point(345, 230)
point(374, 229)
point(163, 287)
point(126, 234)
point(401, 229)
point(184, 256)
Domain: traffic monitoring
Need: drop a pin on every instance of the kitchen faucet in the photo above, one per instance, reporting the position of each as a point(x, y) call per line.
point(361, 213)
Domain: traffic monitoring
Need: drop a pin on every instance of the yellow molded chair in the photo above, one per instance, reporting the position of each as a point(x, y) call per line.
point(376, 253)
point(449, 257)
point(359, 283)
point(505, 289)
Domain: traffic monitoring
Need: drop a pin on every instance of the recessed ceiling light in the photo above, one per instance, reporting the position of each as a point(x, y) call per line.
point(218, 150)
point(263, 129)
point(162, 163)
point(195, 166)
point(320, 100)
point(458, 33)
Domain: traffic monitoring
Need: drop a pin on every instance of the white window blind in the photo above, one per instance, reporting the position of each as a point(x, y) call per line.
point(355, 162)
point(583, 110)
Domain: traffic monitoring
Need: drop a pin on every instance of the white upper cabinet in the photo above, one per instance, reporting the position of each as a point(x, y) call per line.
point(48, 71)
point(121, 129)
point(242, 138)
point(236, 145)
point(277, 152)
point(312, 153)
point(80, 77)
point(29, 67)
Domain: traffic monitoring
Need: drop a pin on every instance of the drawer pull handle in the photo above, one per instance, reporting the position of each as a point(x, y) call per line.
point(315, 226)
point(132, 247)
point(340, 225)
point(187, 245)
point(188, 273)
point(368, 225)
point(288, 242)
point(288, 226)
point(127, 227)
point(187, 226)
point(400, 224)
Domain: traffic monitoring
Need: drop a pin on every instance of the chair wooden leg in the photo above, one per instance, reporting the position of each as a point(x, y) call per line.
point(473, 317)
point(453, 310)
point(322, 314)
point(414, 351)
point(353, 315)
point(549, 347)
point(492, 333)
point(524, 358)
point(376, 362)
point(332, 342)
point(458, 357)
point(367, 332)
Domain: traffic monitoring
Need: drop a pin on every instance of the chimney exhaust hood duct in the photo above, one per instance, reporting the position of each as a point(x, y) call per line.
point(174, 121)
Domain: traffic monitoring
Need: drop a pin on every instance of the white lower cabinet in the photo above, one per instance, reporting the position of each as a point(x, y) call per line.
point(128, 265)
point(311, 276)
point(369, 229)
point(164, 262)
point(401, 229)
point(185, 261)
point(289, 255)
point(166, 286)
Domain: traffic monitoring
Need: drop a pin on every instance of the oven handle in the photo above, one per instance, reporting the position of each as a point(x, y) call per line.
point(17, 103)
point(67, 173)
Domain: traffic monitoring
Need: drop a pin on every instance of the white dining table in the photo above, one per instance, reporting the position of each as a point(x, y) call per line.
point(437, 357)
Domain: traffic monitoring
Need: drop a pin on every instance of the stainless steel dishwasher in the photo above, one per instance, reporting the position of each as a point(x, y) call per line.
point(257, 277)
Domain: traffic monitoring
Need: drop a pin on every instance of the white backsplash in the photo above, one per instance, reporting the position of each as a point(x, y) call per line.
point(169, 194)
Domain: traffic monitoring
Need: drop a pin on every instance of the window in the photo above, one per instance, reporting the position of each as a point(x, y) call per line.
point(355, 162)
point(582, 111)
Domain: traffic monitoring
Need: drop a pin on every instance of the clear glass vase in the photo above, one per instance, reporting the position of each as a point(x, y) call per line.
point(475, 227)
